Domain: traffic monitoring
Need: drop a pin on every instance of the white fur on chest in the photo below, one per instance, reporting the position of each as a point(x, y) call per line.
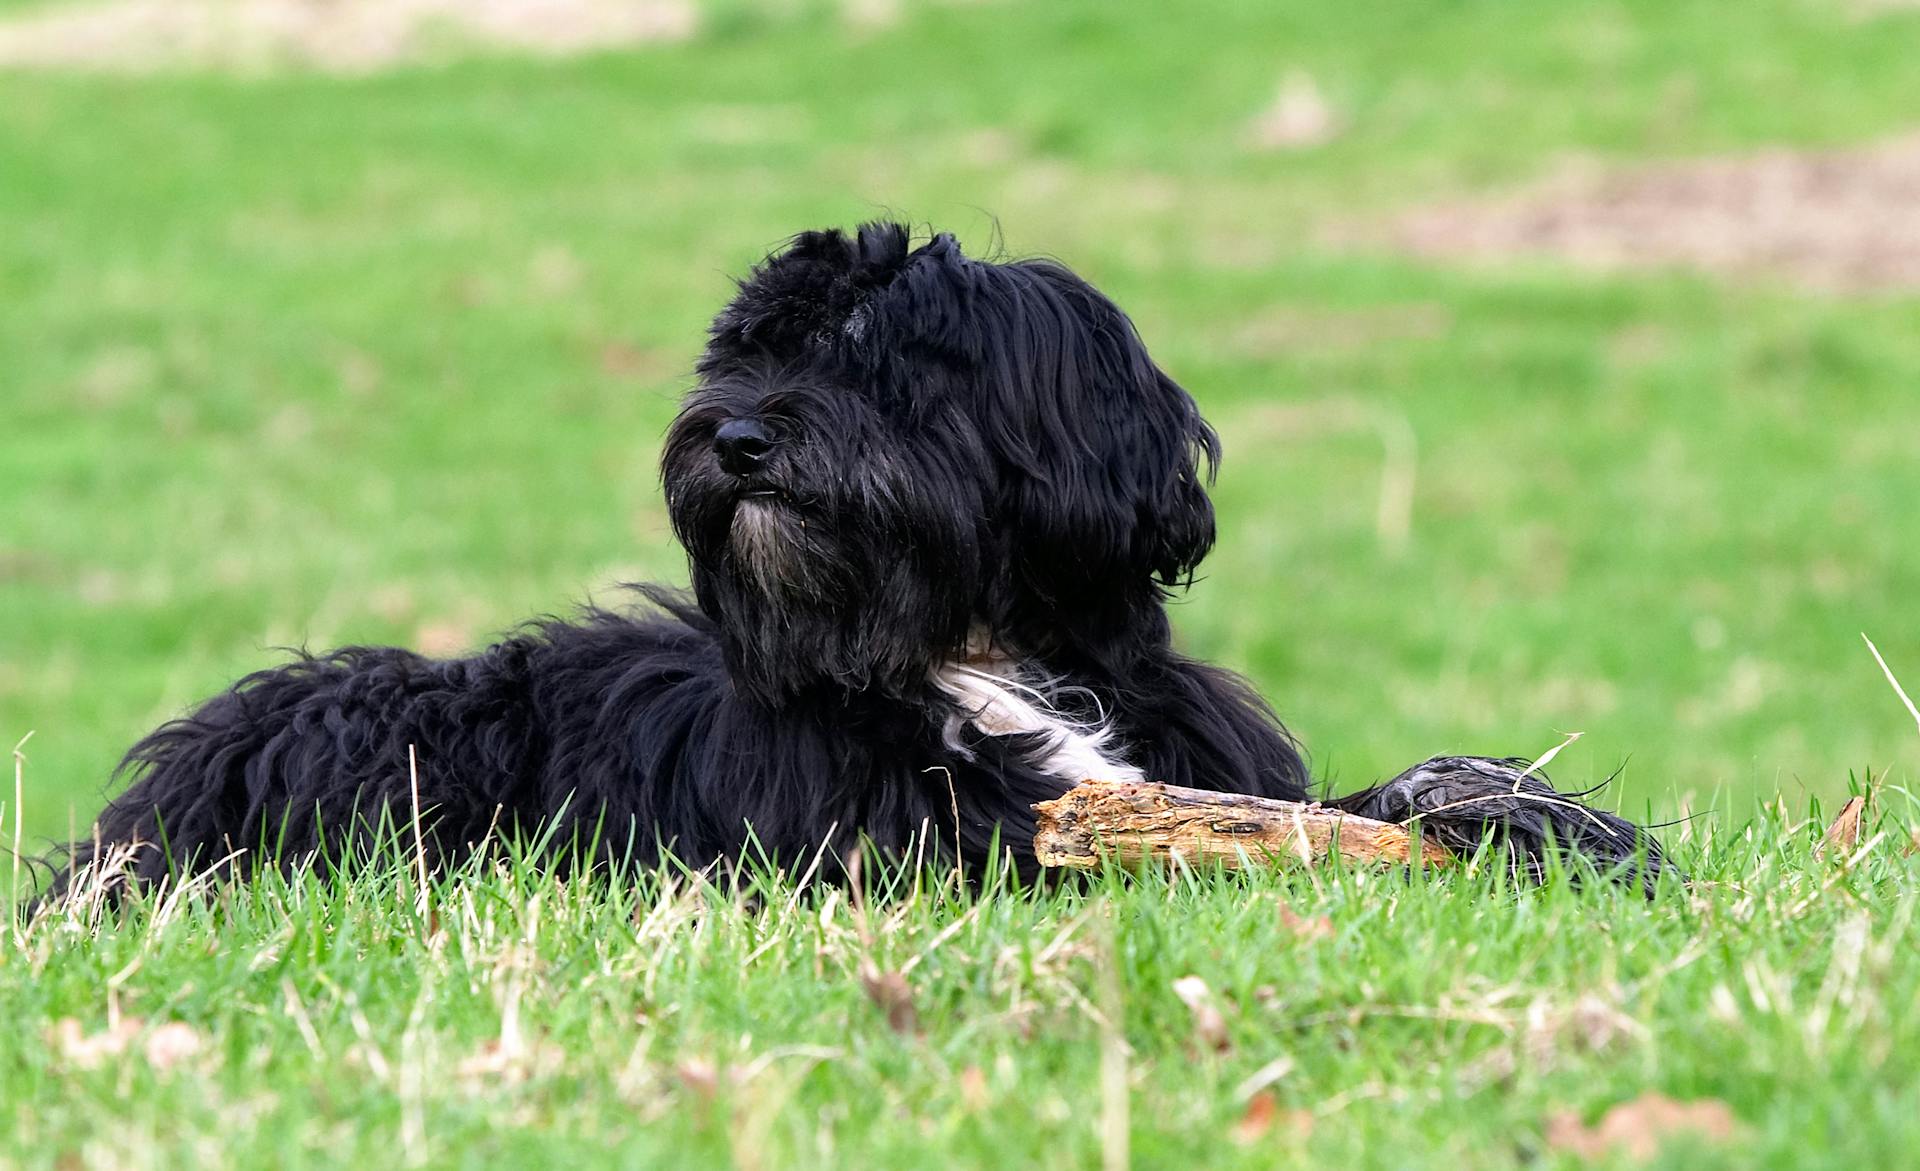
point(997, 695)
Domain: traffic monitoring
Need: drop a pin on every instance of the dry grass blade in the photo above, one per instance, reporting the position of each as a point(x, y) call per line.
point(419, 845)
point(1263, 1077)
point(1546, 758)
point(19, 796)
point(1888, 671)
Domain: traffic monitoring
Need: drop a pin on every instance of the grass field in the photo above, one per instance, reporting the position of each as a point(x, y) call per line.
point(305, 359)
point(522, 1022)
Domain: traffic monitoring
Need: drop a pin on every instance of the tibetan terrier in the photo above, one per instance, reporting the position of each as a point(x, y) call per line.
point(934, 508)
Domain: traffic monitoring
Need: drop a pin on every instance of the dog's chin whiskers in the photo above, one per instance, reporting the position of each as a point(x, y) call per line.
point(765, 547)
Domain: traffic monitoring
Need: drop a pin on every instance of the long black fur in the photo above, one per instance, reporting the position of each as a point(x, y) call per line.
point(948, 449)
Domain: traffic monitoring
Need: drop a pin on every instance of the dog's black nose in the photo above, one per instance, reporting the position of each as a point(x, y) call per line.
point(742, 445)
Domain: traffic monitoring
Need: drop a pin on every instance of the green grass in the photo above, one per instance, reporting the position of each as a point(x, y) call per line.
point(307, 360)
point(665, 1022)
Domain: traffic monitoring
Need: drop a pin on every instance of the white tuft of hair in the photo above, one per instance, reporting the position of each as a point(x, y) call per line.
point(992, 699)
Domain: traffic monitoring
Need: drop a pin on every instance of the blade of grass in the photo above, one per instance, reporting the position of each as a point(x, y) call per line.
point(19, 797)
point(1888, 671)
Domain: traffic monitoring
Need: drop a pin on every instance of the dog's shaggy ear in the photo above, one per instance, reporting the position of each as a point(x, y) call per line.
point(1109, 458)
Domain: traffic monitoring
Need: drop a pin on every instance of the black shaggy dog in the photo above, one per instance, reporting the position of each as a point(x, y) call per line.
point(934, 507)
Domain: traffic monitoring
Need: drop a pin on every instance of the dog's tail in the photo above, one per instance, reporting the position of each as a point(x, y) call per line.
point(1461, 801)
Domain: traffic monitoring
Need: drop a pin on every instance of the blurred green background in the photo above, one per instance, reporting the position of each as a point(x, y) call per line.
point(382, 350)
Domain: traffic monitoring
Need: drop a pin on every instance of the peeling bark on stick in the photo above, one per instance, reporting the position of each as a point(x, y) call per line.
point(1133, 822)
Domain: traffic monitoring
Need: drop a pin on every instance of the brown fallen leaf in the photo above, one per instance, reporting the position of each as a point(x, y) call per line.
point(1264, 1115)
point(1209, 1027)
point(973, 1089)
point(1312, 929)
point(700, 1076)
point(90, 1050)
point(164, 1046)
point(1913, 844)
point(1844, 833)
point(170, 1044)
point(1637, 1128)
point(1256, 1120)
point(894, 995)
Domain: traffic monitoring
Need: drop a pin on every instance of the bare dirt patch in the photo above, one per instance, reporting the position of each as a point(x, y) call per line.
point(1840, 220)
point(335, 36)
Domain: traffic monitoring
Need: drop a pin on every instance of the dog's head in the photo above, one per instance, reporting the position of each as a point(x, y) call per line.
point(890, 446)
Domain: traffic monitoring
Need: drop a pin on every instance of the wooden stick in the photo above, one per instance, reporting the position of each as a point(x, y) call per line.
point(1134, 822)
